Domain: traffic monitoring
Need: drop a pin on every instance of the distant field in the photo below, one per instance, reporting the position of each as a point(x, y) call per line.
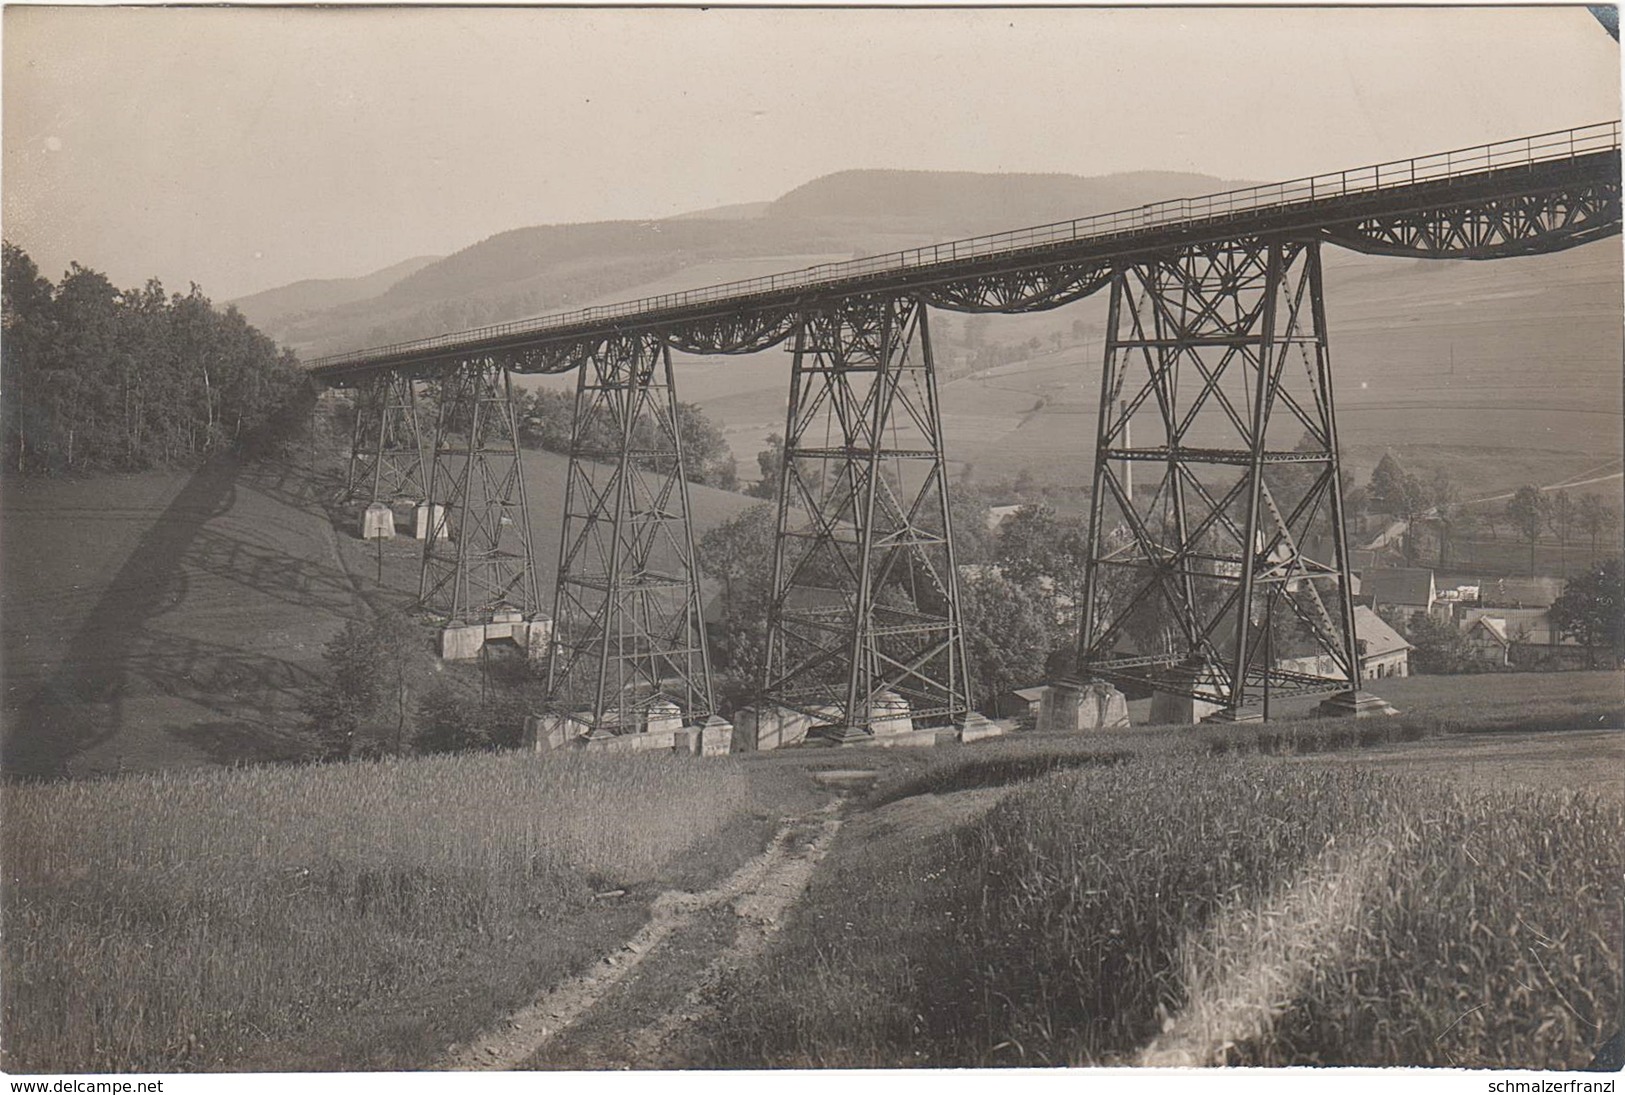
point(175, 620)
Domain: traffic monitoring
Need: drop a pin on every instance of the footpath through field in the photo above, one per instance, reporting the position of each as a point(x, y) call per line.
point(630, 1009)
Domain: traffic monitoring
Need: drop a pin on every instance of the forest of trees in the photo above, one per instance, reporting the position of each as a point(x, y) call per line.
point(546, 418)
point(102, 379)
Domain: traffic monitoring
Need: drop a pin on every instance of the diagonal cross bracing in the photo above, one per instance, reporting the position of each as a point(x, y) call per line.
point(630, 639)
point(1216, 356)
point(865, 603)
point(387, 461)
point(477, 558)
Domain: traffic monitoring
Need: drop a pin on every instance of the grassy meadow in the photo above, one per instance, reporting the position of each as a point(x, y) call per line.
point(344, 916)
point(1165, 907)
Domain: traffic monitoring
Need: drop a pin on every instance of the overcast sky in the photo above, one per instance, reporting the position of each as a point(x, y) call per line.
point(246, 148)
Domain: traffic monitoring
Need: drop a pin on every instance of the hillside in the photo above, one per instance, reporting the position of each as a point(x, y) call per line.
point(169, 620)
point(276, 307)
point(1499, 372)
point(539, 269)
point(967, 203)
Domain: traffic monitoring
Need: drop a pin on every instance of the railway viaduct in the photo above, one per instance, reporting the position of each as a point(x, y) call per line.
point(1216, 352)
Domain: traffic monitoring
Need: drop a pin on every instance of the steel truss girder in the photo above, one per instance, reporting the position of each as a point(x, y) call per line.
point(386, 449)
point(738, 332)
point(1222, 349)
point(865, 596)
point(477, 558)
point(1524, 224)
point(1023, 289)
point(628, 627)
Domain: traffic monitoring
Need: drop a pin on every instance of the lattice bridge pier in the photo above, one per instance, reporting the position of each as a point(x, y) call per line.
point(1218, 576)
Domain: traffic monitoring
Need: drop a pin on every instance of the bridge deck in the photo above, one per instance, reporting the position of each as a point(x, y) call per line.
point(1314, 204)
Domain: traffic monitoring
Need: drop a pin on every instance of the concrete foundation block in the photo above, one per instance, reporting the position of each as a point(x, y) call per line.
point(378, 522)
point(663, 716)
point(772, 727)
point(1358, 705)
point(978, 726)
point(663, 741)
point(1172, 708)
point(889, 714)
point(534, 636)
point(544, 733)
point(502, 624)
point(910, 739)
point(461, 642)
point(423, 514)
point(716, 737)
point(1071, 706)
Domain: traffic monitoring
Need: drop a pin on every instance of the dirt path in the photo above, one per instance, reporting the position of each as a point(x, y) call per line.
point(631, 1009)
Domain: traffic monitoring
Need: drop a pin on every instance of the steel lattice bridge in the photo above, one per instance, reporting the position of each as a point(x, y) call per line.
point(1216, 347)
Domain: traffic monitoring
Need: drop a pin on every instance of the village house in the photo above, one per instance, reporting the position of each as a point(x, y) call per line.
point(1403, 590)
point(1519, 592)
point(1384, 652)
point(1488, 641)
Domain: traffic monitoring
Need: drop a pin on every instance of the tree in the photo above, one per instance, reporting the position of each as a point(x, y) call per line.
point(1444, 499)
point(1008, 635)
point(1387, 484)
point(1595, 519)
point(451, 722)
point(547, 421)
point(1591, 609)
point(706, 457)
point(1438, 646)
point(97, 379)
point(740, 553)
point(1395, 490)
point(769, 464)
point(1035, 547)
point(364, 707)
point(1526, 513)
point(1560, 517)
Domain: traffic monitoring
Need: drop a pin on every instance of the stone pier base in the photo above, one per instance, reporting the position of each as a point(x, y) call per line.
point(461, 641)
point(421, 516)
point(378, 522)
point(1232, 715)
point(1172, 707)
point(544, 733)
point(978, 726)
point(1359, 705)
point(1071, 706)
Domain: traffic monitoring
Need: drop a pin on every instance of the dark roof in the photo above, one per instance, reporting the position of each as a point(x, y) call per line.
point(1399, 585)
point(1519, 592)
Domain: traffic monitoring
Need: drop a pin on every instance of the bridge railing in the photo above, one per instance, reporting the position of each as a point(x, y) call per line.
point(1520, 152)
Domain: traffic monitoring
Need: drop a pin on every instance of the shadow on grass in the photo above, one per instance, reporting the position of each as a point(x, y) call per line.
point(120, 652)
